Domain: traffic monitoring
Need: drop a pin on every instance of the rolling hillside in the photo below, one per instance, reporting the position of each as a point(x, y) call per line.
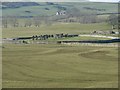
point(48, 9)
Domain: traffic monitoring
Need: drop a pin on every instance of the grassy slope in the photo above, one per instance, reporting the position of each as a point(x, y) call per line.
point(35, 10)
point(110, 7)
point(56, 28)
point(59, 66)
point(40, 10)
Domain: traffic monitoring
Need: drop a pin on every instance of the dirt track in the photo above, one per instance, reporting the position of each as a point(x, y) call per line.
point(93, 44)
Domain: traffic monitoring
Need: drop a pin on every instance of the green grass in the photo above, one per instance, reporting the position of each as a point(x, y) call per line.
point(82, 38)
point(72, 39)
point(35, 11)
point(70, 28)
point(59, 66)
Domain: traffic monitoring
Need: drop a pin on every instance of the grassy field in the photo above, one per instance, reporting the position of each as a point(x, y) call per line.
point(80, 38)
point(71, 28)
point(70, 39)
point(56, 66)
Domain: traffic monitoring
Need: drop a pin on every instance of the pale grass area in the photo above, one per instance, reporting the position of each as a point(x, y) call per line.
point(71, 28)
point(56, 66)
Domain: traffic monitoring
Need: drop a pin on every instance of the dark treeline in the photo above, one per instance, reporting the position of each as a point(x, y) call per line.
point(92, 41)
point(47, 36)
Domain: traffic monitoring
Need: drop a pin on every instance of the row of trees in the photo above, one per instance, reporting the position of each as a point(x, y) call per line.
point(38, 20)
point(24, 22)
point(48, 36)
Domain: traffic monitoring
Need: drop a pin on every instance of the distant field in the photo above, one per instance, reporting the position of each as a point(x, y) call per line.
point(57, 66)
point(70, 28)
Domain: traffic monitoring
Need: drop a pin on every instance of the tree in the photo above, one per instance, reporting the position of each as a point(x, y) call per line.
point(5, 22)
point(37, 21)
point(14, 21)
point(88, 19)
point(113, 20)
point(48, 21)
point(28, 22)
point(73, 13)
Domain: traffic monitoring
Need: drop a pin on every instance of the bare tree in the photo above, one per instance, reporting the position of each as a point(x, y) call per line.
point(88, 19)
point(37, 21)
point(113, 20)
point(28, 22)
point(14, 21)
point(5, 22)
point(48, 21)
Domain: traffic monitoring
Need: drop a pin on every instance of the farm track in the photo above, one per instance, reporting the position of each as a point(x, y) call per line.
point(101, 36)
point(92, 44)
